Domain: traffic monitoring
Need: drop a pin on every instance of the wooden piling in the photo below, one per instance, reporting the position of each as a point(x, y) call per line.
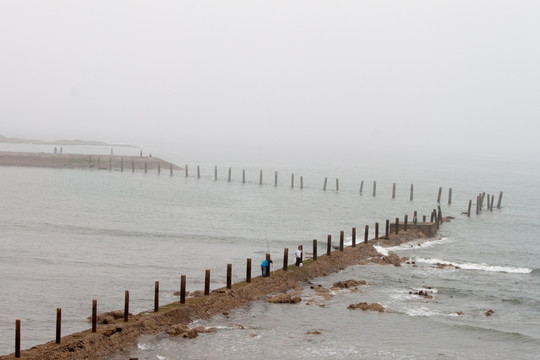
point(292, 180)
point(387, 232)
point(285, 259)
point(248, 270)
point(337, 184)
point(374, 188)
point(171, 169)
point(156, 296)
point(423, 218)
point(94, 315)
point(207, 282)
point(366, 234)
point(361, 186)
point(450, 196)
point(397, 226)
point(325, 181)
point(393, 190)
point(215, 172)
point(415, 217)
point(469, 210)
point(159, 168)
point(58, 325)
point(341, 240)
point(243, 176)
point(186, 170)
point(500, 199)
point(405, 219)
point(329, 245)
point(314, 249)
point(229, 276)
point(198, 172)
point(229, 176)
point(182, 289)
point(353, 237)
point(376, 231)
point(260, 177)
point(18, 338)
point(477, 204)
point(132, 166)
point(122, 165)
point(145, 167)
point(412, 191)
point(126, 306)
point(439, 195)
point(275, 178)
point(301, 182)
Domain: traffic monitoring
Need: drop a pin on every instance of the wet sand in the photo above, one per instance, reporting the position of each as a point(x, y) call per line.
point(120, 336)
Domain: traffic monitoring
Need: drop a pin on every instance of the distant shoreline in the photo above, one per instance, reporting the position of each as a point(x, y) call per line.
point(73, 161)
point(64, 142)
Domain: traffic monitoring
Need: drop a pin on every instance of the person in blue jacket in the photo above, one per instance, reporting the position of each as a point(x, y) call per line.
point(265, 267)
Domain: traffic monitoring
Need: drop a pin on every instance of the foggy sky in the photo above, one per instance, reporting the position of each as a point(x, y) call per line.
point(228, 80)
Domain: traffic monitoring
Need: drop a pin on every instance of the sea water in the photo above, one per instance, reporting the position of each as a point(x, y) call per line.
point(72, 235)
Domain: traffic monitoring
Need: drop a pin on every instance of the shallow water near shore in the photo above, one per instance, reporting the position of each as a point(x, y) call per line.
point(70, 236)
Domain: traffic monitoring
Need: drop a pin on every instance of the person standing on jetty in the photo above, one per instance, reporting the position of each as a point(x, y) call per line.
point(298, 254)
point(265, 266)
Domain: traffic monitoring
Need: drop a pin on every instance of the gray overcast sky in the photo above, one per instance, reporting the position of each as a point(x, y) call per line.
point(228, 79)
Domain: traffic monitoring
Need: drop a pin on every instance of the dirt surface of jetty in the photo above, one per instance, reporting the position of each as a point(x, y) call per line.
point(103, 162)
point(120, 336)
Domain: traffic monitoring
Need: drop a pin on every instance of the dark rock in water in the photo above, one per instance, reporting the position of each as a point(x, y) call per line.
point(489, 312)
point(422, 293)
point(284, 299)
point(365, 306)
point(348, 284)
point(313, 333)
point(459, 313)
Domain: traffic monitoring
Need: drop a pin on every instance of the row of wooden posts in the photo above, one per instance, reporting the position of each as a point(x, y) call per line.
point(132, 165)
point(436, 216)
point(480, 198)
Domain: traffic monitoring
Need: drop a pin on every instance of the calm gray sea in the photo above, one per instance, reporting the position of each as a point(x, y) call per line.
point(69, 236)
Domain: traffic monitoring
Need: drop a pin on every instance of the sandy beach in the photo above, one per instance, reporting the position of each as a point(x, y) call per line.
point(119, 336)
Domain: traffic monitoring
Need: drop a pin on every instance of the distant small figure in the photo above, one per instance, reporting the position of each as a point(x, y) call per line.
point(55, 150)
point(298, 254)
point(265, 267)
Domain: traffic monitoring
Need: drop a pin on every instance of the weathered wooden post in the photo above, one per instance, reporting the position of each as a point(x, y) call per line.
point(415, 217)
point(432, 218)
point(243, 176)
point(207, 282)
point(292, 180)
point(477, 204)
point(469, 210)
point(285, 259)
point(198, 172)
point(366, 234)
point(353, 237)
point(159, 168)
point(94, 315)
point(314, 249)
point(329, 245)
point(374, 188)
point(341, 240)
point(171, 169)
point(275, 178)
point(492, 201)
point(126, 306)
point(393, 190)
point(18, 338)
point(325, 181)
point(182, 289)
point(500, 199)
point(423, 218)
point(387, 232)
point(397, 225)
point(156, 296)
point(301, 182)
point(412, 191)
point(145, 168)
point(361, 186)
point(376, 231)
point(268, 271)
point(229, 276)
point(186, 170)
point(58, 325)
point(450, 196)
point(439, 195)
point(406, 218)
point(248, 270)
point(260, 177)
point(122, 165)
point(337, 184)
point(229, 177)
point(215, 172)
point(439, 215)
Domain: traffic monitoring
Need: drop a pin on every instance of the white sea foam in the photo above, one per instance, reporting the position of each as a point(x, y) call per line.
point(411, 245)
point(143, 346)
point(481, 267)
point(421, 311)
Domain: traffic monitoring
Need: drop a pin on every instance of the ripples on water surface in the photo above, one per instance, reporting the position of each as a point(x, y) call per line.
point(69, 236)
